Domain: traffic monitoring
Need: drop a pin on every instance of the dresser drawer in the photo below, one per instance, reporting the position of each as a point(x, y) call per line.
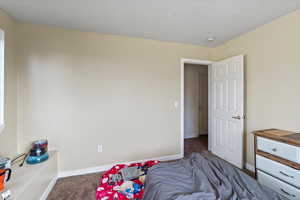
point(280, 187)
point(283, 172)
point(279, 149)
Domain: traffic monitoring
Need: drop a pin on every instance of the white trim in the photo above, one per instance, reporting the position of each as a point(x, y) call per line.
point(197, 62)
point(49, 188)
point(103, 168)
point(250, 167)
point(210, 138)
point(191, 134)
point(2, 80)
point(182, 62)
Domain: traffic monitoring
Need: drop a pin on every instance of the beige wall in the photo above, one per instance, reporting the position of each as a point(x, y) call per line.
point(8, 138)
point(272, 74)
point(83, 89)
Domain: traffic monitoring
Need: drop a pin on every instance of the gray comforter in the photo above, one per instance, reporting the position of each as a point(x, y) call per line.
point(203, 178)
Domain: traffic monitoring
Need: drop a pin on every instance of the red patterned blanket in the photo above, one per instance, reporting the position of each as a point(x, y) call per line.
point(112, 185)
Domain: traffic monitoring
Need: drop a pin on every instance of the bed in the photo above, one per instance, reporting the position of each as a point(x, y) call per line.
point(204, 177)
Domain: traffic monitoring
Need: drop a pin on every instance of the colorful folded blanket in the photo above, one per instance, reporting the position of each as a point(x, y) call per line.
point(124, 182)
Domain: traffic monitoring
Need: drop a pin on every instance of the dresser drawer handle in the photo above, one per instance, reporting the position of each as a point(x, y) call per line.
point(285, 174)
point(285, 192)
point(274, 149)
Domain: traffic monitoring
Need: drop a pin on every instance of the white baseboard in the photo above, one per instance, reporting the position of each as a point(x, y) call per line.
point(250, 167)
point(103, 168)
point(194, 135)
point(49, 188)
point(188, 135)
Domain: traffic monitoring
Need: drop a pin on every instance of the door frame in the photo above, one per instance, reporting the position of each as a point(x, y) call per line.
point(184, 61)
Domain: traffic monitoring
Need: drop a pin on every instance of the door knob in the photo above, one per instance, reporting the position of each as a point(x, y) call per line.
point(236, 117)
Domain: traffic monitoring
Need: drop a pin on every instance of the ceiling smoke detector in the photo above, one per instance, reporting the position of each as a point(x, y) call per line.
point(210, 39)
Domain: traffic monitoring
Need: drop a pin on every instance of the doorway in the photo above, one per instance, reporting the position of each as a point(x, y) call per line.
point(226, 114)
point(196, 108)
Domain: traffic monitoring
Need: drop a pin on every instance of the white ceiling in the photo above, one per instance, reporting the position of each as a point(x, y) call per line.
point(186, 21)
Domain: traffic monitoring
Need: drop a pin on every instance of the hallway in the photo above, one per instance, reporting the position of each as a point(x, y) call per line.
point(199, 144)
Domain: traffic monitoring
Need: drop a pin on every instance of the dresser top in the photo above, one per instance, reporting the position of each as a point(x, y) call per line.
point(280, 135)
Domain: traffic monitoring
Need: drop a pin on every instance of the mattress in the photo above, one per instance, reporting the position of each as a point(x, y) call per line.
point(204, 177)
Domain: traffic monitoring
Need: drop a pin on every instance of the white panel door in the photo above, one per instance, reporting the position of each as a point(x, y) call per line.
point(227, 109)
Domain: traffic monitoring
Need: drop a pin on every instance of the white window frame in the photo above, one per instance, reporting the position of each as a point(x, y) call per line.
point(2, 79)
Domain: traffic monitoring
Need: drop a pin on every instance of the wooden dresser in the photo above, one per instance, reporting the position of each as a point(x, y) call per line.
point(277, 161)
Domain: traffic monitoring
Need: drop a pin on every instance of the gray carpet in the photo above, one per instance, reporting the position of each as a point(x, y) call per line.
point(75, 188)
